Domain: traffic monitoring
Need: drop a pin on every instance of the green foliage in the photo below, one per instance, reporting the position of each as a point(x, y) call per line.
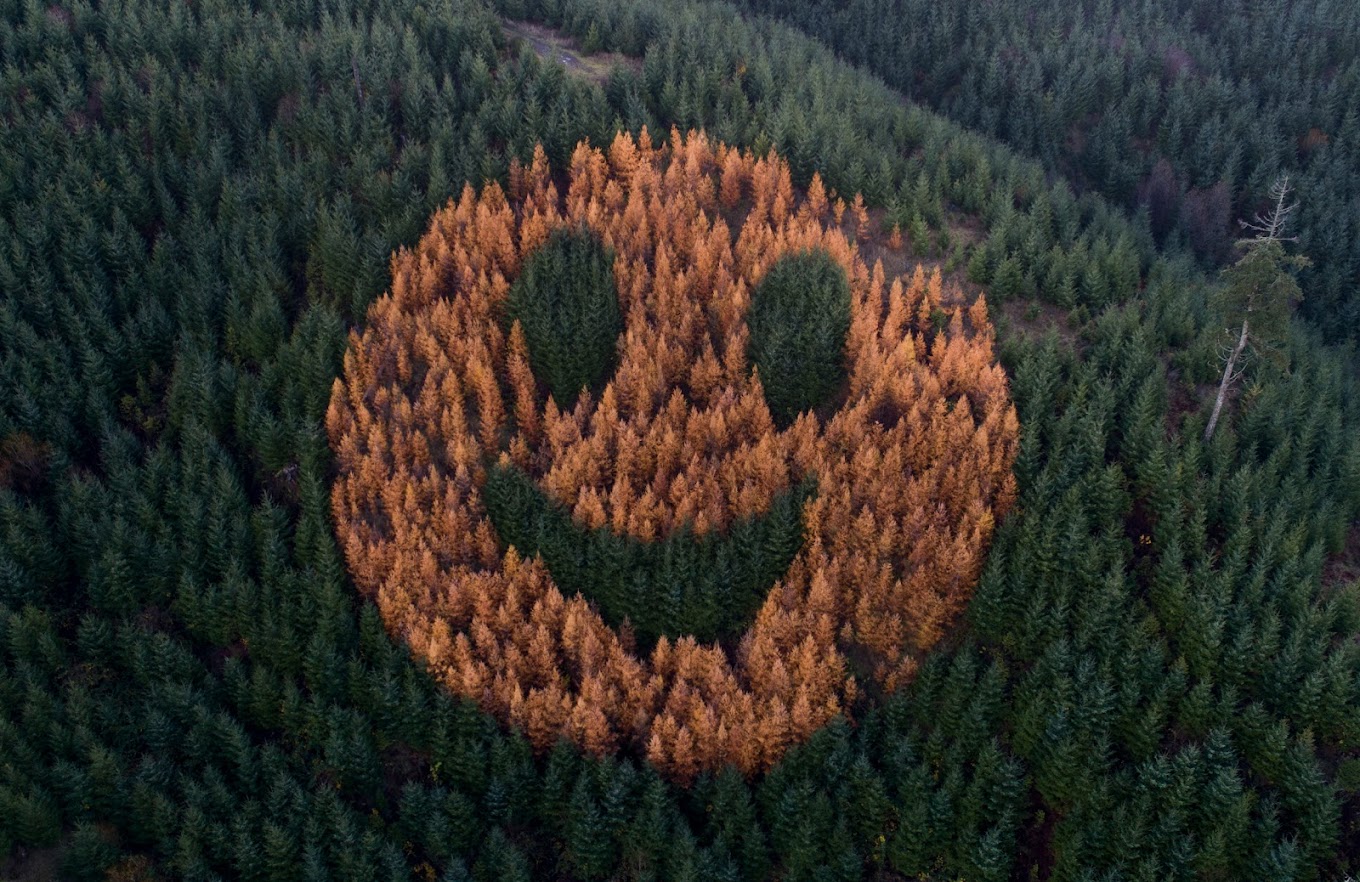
point(1184, 112)
point(566, 302)
point(1258, 288)
point(198, 201)
point(799, 318)
point(88, 855)
point(707, 586)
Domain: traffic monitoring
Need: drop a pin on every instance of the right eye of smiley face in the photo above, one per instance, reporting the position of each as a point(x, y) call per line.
point(757, 502)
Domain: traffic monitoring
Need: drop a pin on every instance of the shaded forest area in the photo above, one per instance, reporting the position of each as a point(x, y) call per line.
point(1184, 111)
point(199, 201)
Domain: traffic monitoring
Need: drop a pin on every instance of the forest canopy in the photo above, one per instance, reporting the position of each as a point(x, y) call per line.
point(1152, 673)
point(908, 474)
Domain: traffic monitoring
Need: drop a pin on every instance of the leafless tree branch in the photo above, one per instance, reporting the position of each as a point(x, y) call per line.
point(1271, 225)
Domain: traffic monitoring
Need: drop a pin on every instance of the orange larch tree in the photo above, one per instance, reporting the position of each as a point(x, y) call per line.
point(911, 462)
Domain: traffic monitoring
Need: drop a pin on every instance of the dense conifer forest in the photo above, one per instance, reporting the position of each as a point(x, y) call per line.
point(1139, 661)
point(1182, 110)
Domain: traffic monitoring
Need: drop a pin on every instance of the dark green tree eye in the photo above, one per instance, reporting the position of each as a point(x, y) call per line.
point(799, 319)
point(567, 303)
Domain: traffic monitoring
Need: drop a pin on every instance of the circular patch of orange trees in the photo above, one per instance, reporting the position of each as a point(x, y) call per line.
point(663, 464)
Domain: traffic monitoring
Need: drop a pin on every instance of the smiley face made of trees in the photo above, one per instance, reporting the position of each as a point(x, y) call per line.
point(623, 476)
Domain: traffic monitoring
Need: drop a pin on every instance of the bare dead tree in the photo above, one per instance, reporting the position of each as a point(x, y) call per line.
point(1271, 225)
point(1259, 291)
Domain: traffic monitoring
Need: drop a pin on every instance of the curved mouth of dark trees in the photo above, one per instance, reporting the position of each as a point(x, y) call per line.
point(707, 586)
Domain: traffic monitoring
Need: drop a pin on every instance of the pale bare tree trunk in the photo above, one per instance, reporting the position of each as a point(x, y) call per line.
point(1268, 228)
point(1227, 381)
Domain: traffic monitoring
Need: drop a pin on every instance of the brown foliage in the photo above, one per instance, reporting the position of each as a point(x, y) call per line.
point(23, 462)
point(913, 468)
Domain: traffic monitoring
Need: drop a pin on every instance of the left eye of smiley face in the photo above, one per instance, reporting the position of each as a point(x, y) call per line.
point(624, 477)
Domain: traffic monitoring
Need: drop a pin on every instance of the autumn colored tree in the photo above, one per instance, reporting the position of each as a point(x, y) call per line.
point(577, 605)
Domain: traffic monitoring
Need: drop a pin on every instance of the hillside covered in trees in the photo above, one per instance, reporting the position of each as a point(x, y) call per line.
point(307, 573)
point(1184, 111)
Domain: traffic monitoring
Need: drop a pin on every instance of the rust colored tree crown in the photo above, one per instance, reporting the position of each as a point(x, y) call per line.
point(911, 460)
